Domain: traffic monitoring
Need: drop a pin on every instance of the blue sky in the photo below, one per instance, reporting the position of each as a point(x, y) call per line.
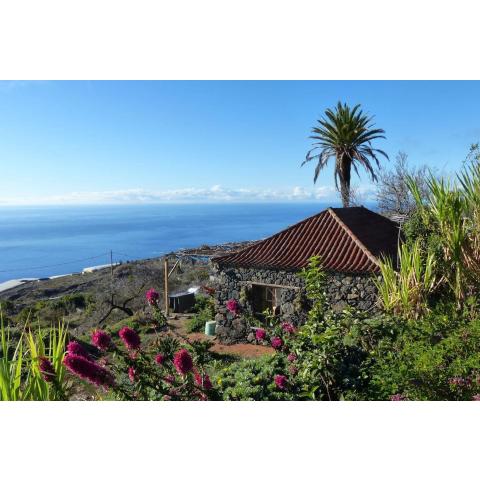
point(130, 142)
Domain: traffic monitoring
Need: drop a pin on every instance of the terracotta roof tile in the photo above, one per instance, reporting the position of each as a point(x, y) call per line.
point(346, 240)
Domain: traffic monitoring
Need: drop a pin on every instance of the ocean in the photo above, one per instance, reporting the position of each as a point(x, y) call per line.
point(38, 242)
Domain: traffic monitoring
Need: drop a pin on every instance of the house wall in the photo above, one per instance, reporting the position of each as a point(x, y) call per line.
point(235, 283)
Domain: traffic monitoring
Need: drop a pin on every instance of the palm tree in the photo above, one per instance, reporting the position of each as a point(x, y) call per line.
point(345, 134)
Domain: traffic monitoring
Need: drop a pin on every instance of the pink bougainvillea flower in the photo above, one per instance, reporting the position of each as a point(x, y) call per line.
point(183, 362)
point(288, 327)
point(159, 359)
point(281, 382)
point(169, 378)
point(260, 334)
point(233, 306)
point(101, 339)
point(46, 369)
point(77, 349)
point(130, 338)
point(292, 357)
point(131, 374)
point(88, 370)
point(476, 397)
point(152, 297)
point(293, 370)
point(166, 398)
point(277, 343)
point(398, 397)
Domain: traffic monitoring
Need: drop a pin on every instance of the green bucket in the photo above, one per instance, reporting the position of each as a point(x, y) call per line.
point(210, 328)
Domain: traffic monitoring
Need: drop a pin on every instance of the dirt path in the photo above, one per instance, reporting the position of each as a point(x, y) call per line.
point(243, 350)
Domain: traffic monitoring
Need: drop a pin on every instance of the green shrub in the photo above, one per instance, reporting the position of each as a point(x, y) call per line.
point(205, 312)
point(434, 358)
point(252, 380)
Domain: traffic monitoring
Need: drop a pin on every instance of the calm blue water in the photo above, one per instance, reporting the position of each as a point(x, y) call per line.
point(34, 241)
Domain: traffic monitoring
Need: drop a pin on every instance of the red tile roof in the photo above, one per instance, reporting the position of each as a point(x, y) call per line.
point(345, 239)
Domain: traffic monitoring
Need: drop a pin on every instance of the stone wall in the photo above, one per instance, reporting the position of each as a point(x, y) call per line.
point(236, 283)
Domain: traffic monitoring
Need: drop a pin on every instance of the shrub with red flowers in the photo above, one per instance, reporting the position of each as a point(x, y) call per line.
point(153, 299)
point(130, 370)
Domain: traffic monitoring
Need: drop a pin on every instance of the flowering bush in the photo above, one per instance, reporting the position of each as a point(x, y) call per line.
point(128, 370)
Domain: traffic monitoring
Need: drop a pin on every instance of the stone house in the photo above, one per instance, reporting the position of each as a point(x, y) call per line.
point(349, 242)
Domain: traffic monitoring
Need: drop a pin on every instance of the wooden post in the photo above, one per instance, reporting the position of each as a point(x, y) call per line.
point(165, 270)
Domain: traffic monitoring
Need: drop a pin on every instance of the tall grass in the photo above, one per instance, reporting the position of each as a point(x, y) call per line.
point(20, 375)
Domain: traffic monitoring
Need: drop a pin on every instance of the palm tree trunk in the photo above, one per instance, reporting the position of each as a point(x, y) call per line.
point(344, 171)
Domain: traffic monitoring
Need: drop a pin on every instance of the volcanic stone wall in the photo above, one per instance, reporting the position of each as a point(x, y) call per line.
point(343, 290)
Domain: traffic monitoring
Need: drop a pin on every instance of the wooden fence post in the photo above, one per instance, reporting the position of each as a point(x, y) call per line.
point(165, 269)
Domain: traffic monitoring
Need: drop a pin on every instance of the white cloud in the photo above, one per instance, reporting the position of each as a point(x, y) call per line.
point(216, 193)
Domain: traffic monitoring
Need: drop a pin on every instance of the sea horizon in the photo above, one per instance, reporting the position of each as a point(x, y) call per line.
point(42, 241)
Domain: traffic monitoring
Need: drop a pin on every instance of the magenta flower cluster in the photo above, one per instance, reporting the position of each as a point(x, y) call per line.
point(291, 357)
point(203, 381)
point(260, 334)
point(277, 343)
point(398, 397)
point(131, 374)
point(288, 327)
point(233, 306)
point(459, 381)
point(88, 370)
point(281, 382)
point(130, 338)
point(75, 348)
point(152, 297)
point(46, 369)
point(183, 362)
point(101, 339)
point(159, 359)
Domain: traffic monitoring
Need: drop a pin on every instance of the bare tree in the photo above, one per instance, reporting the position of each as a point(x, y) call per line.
point(393, 195)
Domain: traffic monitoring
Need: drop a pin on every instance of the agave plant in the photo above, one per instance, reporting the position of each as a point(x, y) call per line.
point(345, 134)
point(11, 364)
point(453, 208)
point(406, 292)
